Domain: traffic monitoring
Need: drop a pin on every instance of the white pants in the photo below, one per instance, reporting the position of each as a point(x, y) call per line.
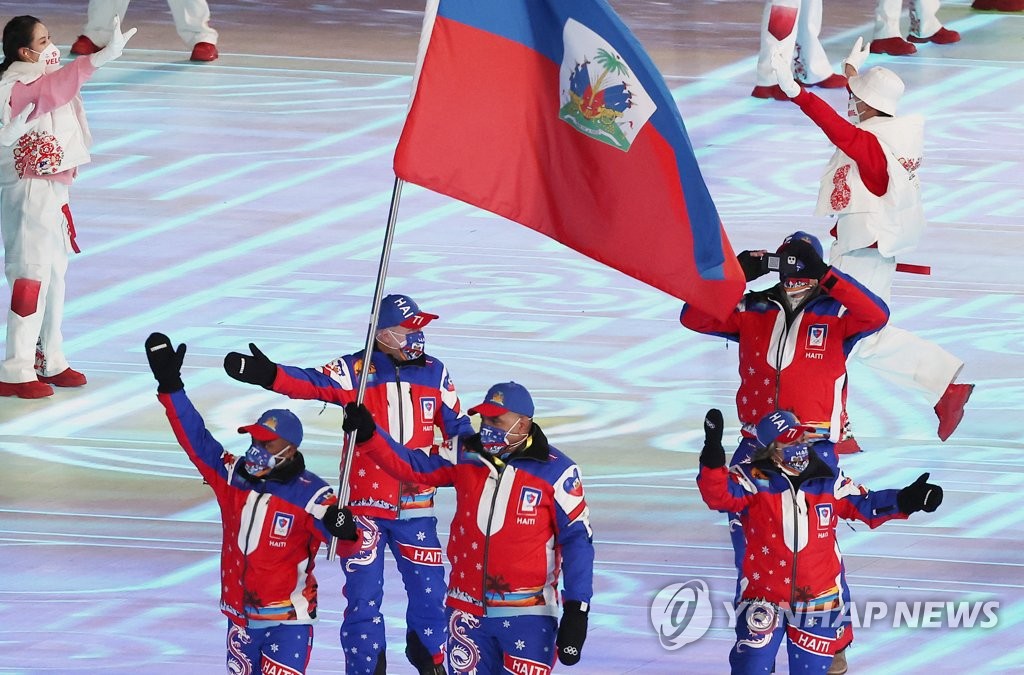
point(923, 19)
point(191, 19)
point(897, 355)
point(802, 45)
point(36, 244)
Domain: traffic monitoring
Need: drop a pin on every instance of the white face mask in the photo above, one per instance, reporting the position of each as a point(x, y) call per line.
point(851, 110)
point(49, 58)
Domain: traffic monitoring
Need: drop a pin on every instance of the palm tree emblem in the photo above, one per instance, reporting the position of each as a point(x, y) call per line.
point(596, 106)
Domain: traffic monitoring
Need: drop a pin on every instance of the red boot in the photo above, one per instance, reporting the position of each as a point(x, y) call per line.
point(848, 446)
point(66, 378)
point(33, 389)
point(950, 408)
point(895, 46)
point(84, 46)
point(833, 81)
point(769, 91)
point(999, 5)
point(942, 36)
point(204, 51)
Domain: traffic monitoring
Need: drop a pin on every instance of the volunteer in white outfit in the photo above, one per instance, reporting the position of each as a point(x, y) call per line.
point(871, 188)
point(191, 20)
point(36, 171)
point(793, 26)
point(924, 27)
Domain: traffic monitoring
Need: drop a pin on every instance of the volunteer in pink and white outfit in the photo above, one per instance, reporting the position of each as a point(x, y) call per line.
point(871, 188)
point(36, 171)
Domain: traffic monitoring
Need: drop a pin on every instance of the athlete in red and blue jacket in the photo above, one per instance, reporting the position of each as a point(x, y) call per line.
point(520, 518)
point(411, 393)
point(790, 502)
point(275, 514)
point(794, 339)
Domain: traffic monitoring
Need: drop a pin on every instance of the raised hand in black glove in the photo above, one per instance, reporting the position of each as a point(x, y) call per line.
point(254, 368)
point(713, 454)
point(165, 362)
point(753, 264)
point(472, 443)
point(340, 523)
point(919, 496)
point(359, 420)
point(813, 266)
point(572, 631)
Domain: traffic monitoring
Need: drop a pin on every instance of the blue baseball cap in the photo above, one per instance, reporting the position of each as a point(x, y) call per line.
point(401, 310)
point(780, 425)
point(505, 397)
point(276, 423)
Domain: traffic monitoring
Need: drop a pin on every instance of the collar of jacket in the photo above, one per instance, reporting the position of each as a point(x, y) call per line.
point(536, 448)
point(420, 360)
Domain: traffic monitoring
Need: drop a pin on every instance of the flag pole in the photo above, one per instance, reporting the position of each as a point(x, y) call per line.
point(371, 331)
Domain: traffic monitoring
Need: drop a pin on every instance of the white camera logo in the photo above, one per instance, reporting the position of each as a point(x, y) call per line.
point(681, 613)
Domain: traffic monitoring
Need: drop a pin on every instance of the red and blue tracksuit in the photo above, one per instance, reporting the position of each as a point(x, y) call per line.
point(518, 523)
point(271, 535)
point(791, 579)
point(409, 399)
point(794, 360)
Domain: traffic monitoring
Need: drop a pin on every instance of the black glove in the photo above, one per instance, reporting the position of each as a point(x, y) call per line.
point(753, 263)
point(472, 443)
point(340, 523)
point(713, 454)
point(359, 420)
point(813, 266)
point(254, 368)
point(165, 362)
point(919, 496)
point(572, 632)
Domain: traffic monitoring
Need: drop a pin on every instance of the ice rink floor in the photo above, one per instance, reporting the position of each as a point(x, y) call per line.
point(246, 200)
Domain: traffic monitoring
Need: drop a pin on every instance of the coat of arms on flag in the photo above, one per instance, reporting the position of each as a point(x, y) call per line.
point(600, 96)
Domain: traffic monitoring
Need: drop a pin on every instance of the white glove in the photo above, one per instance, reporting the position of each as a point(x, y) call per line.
point(17, 127)
point(858, 55)
point(784, 73)
point(114, 47)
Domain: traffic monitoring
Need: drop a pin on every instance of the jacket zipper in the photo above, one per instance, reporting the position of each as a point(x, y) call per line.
point(401, 435)
point(781, 346)
point(245, 549)
point(487, 534)
point(796, 541)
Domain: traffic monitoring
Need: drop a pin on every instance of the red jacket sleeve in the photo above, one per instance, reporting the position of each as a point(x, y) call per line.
point(720, 492)
point(702, 322)
point(866, 313)
point(862, 146)
point(408, 465)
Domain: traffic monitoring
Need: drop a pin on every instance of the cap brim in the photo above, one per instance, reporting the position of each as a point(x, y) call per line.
point(488, 410)
point(259, 432)
point(792, 434)
point(418, 320)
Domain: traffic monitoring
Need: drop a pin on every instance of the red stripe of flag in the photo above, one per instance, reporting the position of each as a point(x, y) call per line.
point(484, 128)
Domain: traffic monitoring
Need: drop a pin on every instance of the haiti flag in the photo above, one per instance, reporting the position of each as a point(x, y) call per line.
point(550, 113)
